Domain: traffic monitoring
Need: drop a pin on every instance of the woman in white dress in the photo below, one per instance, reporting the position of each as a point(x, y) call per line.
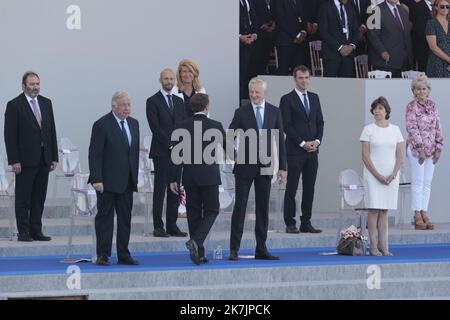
point(382, 156)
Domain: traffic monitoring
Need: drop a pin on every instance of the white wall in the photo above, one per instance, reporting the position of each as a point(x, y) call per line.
point(121, 45)
point(346, 107)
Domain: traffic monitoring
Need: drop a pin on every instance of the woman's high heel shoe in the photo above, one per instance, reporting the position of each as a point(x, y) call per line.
point(419, 224)
point(375, 252)
point(426, 220)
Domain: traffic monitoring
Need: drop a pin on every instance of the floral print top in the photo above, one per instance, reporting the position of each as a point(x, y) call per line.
point(423, 127)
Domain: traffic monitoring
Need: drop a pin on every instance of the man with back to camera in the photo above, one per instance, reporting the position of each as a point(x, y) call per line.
point(201, 180)
point(303, 125)
point(31, 146)
point(113, 167)
point(164, 111)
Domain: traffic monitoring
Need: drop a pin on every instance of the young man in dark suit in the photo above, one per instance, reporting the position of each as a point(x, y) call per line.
point(164, 111)
point(303, 125)
point(255, 119)
point(419, 14)
point(31, 146)
point(113, 167)
point(201, 179)
point(338, 30)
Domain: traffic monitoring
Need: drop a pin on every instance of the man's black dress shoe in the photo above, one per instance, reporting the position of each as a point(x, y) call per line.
point(192, 246)
point(128, 261)
point(160, 232)
point(40, 237)
point(204, 260)
point(265, 256)
point(292, 229)
point(309, 229)
point(233, 255)
point(102, 261)
point(25, 237)
point(177, 233)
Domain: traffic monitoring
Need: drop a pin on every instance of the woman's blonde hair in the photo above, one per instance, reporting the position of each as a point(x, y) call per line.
point(193, 67)
point(436, 4)
point(420, 81)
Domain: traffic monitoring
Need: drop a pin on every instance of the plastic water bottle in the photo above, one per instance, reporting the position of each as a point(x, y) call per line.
point(218, 253)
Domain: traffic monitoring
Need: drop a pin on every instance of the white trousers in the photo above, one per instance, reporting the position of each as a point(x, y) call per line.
point(421, 177)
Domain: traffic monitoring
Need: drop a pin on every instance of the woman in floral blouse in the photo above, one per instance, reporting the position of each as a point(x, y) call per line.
point(423, 148)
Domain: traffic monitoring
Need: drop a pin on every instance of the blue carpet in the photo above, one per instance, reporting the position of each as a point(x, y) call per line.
point(164, 261)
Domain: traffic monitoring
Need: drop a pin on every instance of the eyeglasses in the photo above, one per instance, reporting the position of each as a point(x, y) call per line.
point(444, 6)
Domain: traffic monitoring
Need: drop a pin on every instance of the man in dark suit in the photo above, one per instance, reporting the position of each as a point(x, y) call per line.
point(303, 125)
point(248, 28)
point(256, 119)
point(390, 44)
point(164, 111)
point(360, 7)
point(266, 30)
point(31, 146)
point(113, 167)
point(338, 30)
point(291, 21)
point(201, 179)
point(419, 14)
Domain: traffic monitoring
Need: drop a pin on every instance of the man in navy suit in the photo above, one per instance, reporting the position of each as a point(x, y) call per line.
point(201, 180)
point(30, 139)
point(303, 125)
point(338, 28)
point(164, 111)
point(258, 118)
point(113, 167)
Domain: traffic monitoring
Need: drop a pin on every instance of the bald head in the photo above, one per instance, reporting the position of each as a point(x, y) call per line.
point(167, 79)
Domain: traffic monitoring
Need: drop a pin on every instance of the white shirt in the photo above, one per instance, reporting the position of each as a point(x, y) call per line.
point(302, 98)
point(125, 124)
point(31, 106)
point(261, 111)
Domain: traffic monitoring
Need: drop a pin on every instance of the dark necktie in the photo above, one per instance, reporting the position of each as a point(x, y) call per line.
point(294, 3)
point(306, 104)
point(358, 9)
point(397, 18)
point(124, 132)
point(268, 4)
point(169, 98)
point(341, 10)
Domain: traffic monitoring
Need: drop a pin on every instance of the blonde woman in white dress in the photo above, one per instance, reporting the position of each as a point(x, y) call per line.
point(382, 156)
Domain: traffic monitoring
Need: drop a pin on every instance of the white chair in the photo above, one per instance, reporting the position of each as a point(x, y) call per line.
point(379, 74)
point(362, 66)
point(351, 190)
point(7, 187)
point(411, 74)
point(69, 163)
point(316, 62)
point(84, 206)
point(146, 180)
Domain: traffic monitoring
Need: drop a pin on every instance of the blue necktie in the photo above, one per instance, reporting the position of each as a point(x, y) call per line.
point(124, 132)
point(342, 16)
point(306, 104)
point(259, 120)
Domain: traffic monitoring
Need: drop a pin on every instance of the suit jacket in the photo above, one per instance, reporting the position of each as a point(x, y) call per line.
point(111, 159)
point(162, 122)
point(419, 14)
point(290, 21)
point(203, 174)
point(391, 39)
point(262, 11)
point(245, 26)
point(330, 29)
point(23, 136)
point(297, 125)
point(244, 118)
point(362, 13)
